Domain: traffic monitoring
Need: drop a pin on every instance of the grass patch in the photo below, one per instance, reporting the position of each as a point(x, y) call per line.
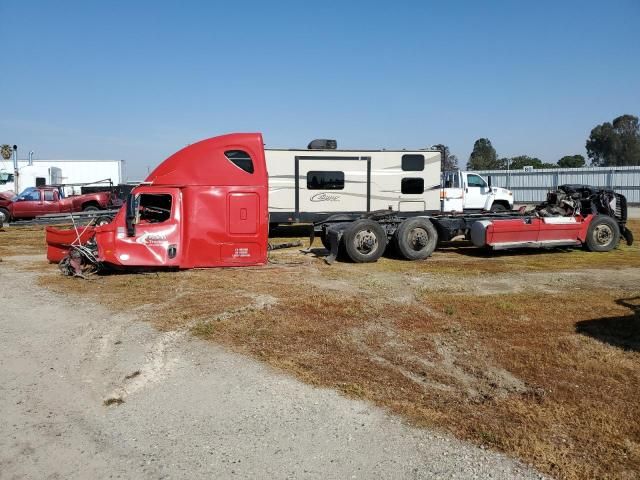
point(548, 371)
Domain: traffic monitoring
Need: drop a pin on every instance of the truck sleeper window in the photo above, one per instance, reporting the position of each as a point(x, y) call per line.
point(154, 208)
point(240, 159)
point(325, 180)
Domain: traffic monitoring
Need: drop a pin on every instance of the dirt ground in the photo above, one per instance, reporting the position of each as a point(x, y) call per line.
point(533, 353)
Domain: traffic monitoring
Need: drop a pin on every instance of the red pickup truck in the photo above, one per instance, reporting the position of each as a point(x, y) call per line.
point(34, 202)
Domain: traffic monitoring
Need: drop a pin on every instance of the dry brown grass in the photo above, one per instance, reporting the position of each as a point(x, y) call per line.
point(549, 372)
point(22, 241)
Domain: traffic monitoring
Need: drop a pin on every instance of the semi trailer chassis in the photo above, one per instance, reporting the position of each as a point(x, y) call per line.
point(572, 216)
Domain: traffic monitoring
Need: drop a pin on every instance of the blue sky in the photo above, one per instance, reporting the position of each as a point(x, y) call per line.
point(138, 80)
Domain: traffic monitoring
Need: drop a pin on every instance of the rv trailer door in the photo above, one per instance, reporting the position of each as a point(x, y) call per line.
point(332, 184)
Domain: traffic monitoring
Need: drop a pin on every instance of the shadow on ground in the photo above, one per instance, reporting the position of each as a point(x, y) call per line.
point(622, 332)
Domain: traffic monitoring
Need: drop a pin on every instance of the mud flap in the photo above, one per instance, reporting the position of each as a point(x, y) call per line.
point(334, 237)
point(628, 236)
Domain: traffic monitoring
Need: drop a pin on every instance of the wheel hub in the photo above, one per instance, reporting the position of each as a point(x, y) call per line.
point(418, 238)
point(604, 235)
point(366, 241)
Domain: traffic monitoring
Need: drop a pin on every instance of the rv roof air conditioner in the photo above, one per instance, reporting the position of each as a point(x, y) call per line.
point(322, 144)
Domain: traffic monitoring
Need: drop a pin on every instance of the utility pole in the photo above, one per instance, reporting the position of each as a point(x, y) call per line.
point(16, 170)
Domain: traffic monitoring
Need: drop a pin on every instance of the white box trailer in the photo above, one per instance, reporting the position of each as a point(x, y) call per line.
point(310, 185)
point(67, 172)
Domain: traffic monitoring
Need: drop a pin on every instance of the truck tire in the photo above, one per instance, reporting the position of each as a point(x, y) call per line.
point(416, 238)
point(498, 207)
point(103, 220)
point(6, 214)
point(603, 234)
point(365, 241)
point(90, 208)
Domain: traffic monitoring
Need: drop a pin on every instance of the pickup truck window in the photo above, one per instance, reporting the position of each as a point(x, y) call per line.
point(475, 181)
point(240, 159)
point(451, 180)
point(412, 162)
point(48, 196)
point(29, 196)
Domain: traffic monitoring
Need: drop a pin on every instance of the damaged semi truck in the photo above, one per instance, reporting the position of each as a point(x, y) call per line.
point(207, 206)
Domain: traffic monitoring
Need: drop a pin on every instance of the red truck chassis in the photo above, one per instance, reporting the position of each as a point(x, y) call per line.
point(206, 206)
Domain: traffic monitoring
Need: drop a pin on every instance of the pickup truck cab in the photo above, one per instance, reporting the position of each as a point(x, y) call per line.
point(467, 191)
point(33, 202)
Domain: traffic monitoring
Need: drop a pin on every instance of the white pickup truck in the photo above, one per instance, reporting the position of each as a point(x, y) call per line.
point(467, 191)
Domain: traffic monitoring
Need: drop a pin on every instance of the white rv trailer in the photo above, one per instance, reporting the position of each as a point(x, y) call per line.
point(310, 185)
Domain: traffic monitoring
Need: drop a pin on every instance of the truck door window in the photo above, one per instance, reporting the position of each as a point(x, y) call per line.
point(451, 180)
point(412, 162)
point(412, 186)
point(29, 195)
point(475, 181)
point(325, 180)
point(240, 159)
point(48, 196)
point(153, 208)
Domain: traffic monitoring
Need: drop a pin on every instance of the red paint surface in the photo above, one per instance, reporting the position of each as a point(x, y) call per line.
point(530, 229)
point(60, 239)
point(219, 213)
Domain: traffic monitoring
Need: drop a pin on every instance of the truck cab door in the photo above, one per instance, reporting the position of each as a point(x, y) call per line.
point(476, 192)
point(156, 239)
point(28, 204)
point(50, 202)
point(452, 193)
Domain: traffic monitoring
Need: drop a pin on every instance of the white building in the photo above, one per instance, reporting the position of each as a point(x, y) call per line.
point(66, 172)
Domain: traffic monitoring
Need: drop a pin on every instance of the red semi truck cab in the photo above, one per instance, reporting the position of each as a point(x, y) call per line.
point(205, 206)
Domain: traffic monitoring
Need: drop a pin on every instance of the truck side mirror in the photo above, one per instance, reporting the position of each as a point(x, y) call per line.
point(131, 215)
point(489, 180)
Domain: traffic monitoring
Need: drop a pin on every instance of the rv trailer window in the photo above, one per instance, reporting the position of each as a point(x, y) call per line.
point(412, 163)
point(325, 180)
point(240, 159)
point(412, 185)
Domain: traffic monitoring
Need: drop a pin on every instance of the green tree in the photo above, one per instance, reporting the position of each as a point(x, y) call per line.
point(571, 161)
point(520, 161)
point(483, 156)
point(616, 143)
point(450, 161)
point(6, 151)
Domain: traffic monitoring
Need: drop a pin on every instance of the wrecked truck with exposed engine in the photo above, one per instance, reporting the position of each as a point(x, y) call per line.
point(206, 206)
